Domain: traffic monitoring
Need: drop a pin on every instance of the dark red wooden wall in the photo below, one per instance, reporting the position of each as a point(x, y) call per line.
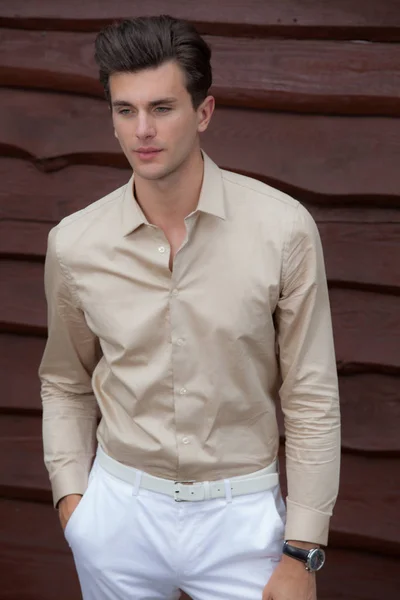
point(309, 101)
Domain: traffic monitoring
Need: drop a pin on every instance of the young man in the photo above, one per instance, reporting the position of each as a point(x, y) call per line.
point(183, 305)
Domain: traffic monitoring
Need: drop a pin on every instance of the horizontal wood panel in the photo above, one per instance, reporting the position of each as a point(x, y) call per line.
point(22, 299)
point(350, 156)
point(35, 559)
point(345, 245)
point(303, 76)
point(370, 411)
point(29, 193)
point(41, 566)
point(366, 328)
point(366, 324)
point(26, 239)
point(362, 254)
point(370, 404)
point(351, 19)
point(23, 475)
point(20, 356)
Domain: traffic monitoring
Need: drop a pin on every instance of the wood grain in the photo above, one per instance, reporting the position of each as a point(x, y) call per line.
point(317, 154)
point(40, 566)
point(35, 559)
point(20, 356)
point(22, 299)
point(366, 328)
point(343, 19)
point(30, 194)
point(370, 404)
point(370, 412)
point(301, 76)
point(25, 239)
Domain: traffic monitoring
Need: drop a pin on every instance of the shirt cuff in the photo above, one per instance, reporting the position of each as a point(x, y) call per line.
point(72, 479)
point(306, 524)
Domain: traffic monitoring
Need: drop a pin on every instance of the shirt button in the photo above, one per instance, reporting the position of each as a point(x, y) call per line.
point(175, 292)
point(161, 249)
point(180, 342)
point(183, 391)
point(185, 440)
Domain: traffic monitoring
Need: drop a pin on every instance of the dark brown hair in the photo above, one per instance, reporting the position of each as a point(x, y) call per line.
point(148, 42)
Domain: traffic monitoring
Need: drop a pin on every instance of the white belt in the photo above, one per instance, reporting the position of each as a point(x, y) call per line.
point(183, 491)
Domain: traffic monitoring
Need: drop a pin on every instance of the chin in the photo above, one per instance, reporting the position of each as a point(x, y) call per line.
point(152, 173)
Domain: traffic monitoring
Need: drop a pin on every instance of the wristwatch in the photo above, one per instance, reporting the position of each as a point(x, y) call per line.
point(313, 559)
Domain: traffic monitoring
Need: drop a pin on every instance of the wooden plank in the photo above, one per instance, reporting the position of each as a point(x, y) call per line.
point(351, 19)
point(35, 559)
point(369, 401)
point(366, 324)
point(20, 357)
point(370, 411)
point(345, 245)
point(366, 329)
point(29, 193)
point(301, 76)
point(361, 254)
point(25, 239)
point(23, 476)
point(40, 566)
point(22, 299)
point(22, 472)
point(316, 155)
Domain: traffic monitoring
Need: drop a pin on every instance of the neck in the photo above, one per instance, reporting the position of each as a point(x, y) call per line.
point(168, 201)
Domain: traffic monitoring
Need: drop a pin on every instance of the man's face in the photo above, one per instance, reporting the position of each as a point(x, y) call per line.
point(154, 119)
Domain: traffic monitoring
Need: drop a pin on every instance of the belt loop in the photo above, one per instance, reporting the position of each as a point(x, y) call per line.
point(228, 490)
point(138, 478)
point(207, 493)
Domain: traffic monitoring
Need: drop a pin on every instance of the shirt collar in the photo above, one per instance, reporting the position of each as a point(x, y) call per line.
point(132, 214)
point(211, 199)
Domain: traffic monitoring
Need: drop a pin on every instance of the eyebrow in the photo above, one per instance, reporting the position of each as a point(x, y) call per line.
point(152, 104)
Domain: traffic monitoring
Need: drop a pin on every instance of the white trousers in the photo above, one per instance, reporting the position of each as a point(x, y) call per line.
point(139, 545)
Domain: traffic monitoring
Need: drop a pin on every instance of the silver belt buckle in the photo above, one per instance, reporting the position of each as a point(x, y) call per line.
point(176, 492)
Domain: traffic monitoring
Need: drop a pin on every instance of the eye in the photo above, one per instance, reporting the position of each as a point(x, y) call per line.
point(162, 109)
point(124, 111)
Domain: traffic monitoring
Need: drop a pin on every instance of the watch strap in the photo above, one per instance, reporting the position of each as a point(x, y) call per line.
point(295, 552)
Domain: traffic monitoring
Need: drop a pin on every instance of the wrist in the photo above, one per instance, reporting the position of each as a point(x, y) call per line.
point(67, 499)
point(304, 545)
point(312, 558)
point(295, 566)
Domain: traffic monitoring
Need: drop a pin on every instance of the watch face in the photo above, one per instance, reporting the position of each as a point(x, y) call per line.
point(316, 559)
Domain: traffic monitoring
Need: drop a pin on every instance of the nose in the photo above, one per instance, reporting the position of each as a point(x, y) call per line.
point(145, 127)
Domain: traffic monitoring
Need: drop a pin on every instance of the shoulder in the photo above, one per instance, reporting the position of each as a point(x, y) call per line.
point(249, 189)
point(265, 203)
point(89, 224)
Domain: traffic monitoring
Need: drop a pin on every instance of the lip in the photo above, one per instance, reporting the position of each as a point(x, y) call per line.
point(147, 153)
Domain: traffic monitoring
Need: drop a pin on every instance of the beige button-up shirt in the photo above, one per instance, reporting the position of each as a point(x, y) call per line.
point(186, 366)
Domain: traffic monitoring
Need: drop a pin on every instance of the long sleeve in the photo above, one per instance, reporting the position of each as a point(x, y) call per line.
point(309, 392)
point(69, 405)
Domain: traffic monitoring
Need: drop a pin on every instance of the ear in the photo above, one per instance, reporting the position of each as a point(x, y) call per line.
point(205, 112)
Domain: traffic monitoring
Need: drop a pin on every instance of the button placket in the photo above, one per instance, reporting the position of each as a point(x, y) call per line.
point(181, 392)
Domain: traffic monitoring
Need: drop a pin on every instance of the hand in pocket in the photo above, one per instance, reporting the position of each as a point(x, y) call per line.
point(66, 507)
